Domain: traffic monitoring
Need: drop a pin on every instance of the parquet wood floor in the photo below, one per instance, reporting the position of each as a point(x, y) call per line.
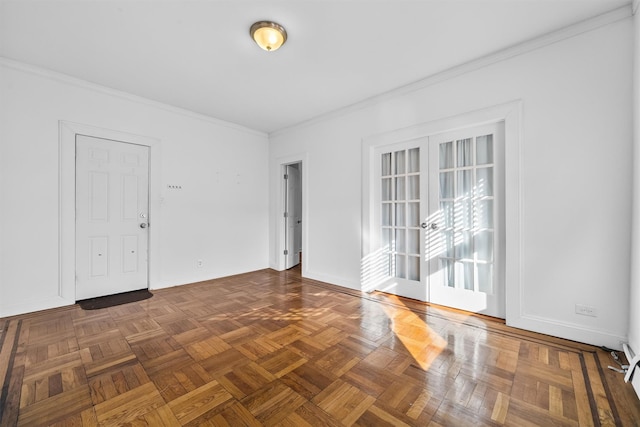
point(269, 348)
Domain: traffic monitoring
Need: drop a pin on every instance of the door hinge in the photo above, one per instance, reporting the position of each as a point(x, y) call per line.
point(286, 176)
point(286, 252)
point(286, 214)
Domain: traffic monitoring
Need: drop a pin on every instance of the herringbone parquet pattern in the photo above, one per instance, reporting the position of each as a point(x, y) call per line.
point(270, 348)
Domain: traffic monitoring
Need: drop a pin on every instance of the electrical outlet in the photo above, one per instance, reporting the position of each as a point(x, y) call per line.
point(586, 310)
point(199, 263)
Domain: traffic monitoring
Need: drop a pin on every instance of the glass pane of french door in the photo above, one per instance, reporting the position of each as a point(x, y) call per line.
point(463, 228)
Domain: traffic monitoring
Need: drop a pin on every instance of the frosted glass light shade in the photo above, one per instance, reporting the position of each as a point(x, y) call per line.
point(268, 35)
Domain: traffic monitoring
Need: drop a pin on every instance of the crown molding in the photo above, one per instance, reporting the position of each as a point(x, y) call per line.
point(83, 84)
point(550, 38)
point(473, 65)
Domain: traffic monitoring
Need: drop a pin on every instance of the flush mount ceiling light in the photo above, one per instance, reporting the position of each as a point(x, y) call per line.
point(268, 35)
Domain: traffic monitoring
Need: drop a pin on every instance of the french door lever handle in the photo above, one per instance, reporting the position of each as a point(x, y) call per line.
point(433, 225)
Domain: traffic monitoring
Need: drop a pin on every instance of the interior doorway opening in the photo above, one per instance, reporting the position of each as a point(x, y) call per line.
point(292, 214)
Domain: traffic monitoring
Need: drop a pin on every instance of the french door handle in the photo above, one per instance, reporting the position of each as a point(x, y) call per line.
point(433, 225)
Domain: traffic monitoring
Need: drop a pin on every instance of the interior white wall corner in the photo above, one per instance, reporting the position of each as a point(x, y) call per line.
point(634, 315)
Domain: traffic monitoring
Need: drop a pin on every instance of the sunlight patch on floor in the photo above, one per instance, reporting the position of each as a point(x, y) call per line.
point(422, 342)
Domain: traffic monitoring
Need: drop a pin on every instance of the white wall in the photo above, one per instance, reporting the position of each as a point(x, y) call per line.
point(634, 319)
point(219, 216)
point(575, 165)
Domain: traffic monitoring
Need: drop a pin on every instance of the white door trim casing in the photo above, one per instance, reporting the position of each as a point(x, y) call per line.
point(66, 204)
point(511, 114)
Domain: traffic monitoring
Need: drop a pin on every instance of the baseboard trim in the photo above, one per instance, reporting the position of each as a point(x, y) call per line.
point(568, 331)
point(33, 306)
point(333, 280)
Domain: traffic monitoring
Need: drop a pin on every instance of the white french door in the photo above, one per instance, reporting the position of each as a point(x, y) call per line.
point(464, 224)
point(441, 219)
point(112, 207)
point(403, 199)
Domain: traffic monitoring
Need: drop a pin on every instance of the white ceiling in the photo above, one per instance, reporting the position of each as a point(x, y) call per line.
point(198, 54)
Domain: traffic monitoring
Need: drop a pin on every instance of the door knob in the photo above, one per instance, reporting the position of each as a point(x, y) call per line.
point(143, 225)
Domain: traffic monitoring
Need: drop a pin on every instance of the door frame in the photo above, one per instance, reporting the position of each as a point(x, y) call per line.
point(287, 219)
point(511, 114)
point(67, 132)
point(279, 258)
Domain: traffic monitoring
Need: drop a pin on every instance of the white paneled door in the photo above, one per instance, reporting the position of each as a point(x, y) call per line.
point(441, 219)
point(112, 208)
